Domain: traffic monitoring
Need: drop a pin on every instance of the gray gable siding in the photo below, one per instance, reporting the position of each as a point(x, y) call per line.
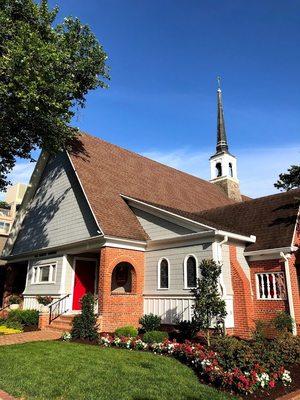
point(158, 228)
point(58, 214)
point(176, 258)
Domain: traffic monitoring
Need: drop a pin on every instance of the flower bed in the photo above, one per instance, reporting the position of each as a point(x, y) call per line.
point(4, 330)
point(206, 363)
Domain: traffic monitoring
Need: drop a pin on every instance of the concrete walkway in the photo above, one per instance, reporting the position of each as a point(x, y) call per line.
point(25, 337)
point(6, 396)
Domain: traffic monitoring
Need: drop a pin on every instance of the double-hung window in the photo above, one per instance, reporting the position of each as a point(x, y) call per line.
point(44, 273)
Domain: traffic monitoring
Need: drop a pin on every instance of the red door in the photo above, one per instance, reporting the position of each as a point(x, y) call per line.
point(84, 281)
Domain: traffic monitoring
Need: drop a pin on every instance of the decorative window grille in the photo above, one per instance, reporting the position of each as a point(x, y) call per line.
point(271, 286)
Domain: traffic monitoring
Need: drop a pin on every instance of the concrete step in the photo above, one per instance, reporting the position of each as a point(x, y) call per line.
point(63, 323)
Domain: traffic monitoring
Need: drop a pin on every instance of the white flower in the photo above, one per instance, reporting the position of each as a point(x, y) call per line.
point(66, 336)
point(205, 363)
point(264, 379)
point(286, 377)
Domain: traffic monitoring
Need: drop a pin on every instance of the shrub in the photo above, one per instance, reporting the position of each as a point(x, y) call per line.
point(14, 325)
point(15, 299)
point(286, 348)
point(283, 322)
point(23, 317)
point(128, 331)
point(84, 325)
point(45, 300)
point(150, 322)
point(187, 330)
point(261, 330)
point(155, 337)
point(234, 353)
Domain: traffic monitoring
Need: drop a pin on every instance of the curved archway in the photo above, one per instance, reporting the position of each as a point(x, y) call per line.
point(123, 278)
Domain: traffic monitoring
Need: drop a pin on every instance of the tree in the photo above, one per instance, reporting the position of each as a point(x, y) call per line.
point(46, 70)
point(209, 307)
point(289, 180)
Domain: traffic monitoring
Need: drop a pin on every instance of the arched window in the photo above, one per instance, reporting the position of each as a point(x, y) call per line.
point(190, 272)
point(121, 280)
point(230, 169)
point(163, 274)
point(219, 169)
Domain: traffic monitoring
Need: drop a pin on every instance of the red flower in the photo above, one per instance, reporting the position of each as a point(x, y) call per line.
point(272, 384)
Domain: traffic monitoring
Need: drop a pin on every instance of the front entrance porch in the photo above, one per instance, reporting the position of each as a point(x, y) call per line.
point(116, 280)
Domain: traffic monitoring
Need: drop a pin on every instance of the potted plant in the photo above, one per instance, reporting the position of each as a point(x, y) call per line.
point(44, 302)
point(14, 301)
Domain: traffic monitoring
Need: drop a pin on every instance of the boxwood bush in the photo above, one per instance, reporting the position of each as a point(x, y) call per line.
point(155, 337)
point(150, 322)
point(23, 317)
point(128, 331)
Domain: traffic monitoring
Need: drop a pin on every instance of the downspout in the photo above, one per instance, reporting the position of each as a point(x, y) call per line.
point(220, 244)
point(289, 288)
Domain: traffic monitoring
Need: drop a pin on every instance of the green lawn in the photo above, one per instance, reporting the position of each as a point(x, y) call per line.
point(70, 371)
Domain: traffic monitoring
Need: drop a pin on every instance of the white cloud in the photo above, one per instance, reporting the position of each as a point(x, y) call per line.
point(21, 173)
point(258, 168)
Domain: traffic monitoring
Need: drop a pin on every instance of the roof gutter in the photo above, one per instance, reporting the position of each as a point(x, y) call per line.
point(271, 251)
point(236, 236)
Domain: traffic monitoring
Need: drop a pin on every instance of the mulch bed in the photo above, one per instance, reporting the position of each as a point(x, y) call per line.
point(30, 328)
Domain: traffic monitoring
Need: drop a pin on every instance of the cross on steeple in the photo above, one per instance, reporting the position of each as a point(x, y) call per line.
point(222, 145)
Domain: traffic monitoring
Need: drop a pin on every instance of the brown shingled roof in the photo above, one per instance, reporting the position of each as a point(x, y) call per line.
point(106, 171)
point(271, 219)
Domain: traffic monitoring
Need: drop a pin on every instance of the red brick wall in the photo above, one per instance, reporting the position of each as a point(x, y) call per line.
point(266, 309)
point(119, 309)
point(242, 299)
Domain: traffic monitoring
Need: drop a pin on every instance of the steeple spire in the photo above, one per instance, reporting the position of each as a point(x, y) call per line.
point(222, 145)
point(223, 165)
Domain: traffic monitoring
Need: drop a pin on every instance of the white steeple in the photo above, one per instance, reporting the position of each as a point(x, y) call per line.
point(223, 165)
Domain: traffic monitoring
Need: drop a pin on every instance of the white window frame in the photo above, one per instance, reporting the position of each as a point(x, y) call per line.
point(158, 273)
point(36, 274)
point(5, 227)
point(185, 271)
point(267, 297)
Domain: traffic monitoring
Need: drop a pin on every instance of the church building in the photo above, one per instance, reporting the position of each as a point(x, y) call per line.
point(132, 231)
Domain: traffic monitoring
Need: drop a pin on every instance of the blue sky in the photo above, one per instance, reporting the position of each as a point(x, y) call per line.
point(164, 58)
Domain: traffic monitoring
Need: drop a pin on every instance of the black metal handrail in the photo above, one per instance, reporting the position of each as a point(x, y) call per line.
point(58, 308)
